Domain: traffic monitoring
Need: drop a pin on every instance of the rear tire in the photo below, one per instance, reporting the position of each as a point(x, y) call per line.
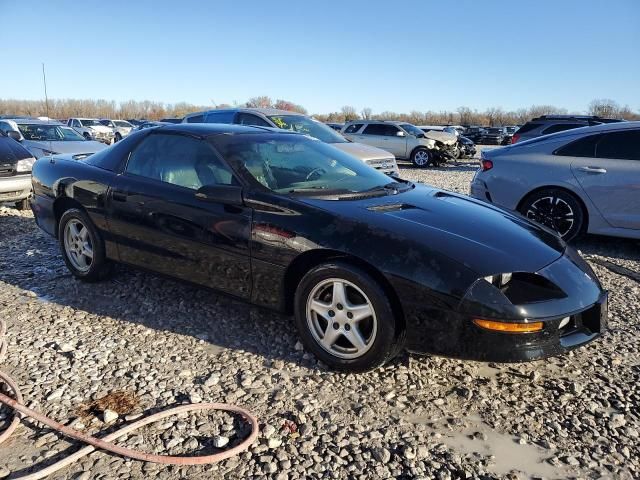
point(345, 319)
point(82, 247)
point(422, 157)
point(557, 209)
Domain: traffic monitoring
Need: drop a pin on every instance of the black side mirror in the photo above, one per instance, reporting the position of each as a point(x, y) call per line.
point(224, 194)
point(15, 135)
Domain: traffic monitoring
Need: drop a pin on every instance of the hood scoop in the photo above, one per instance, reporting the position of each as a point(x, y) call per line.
point(391, 207)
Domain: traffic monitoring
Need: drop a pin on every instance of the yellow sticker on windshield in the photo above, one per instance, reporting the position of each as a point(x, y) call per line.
point(280, 123)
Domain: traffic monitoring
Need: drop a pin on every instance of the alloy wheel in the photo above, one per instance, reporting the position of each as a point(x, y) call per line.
point(77, 245)
point(341, 318)
point(553, 212)
point(421, 158)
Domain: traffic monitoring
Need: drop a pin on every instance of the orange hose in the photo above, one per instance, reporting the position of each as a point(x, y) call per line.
point(105, 443)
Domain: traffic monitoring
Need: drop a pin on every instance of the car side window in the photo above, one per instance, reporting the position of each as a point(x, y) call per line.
point(353, 128)
point(374, 129)
point(584, 147)
point(250, 119)
point(76, 123)
point(219, 117)
point(390, 130)
point(619, 145)
point(179, 160)
point(196, 119)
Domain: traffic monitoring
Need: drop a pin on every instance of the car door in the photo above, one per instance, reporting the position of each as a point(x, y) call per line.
point(610, 175)
point(384, 136)
point(159, 223)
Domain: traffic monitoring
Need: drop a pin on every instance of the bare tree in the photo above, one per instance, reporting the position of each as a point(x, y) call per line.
point(349, 113)
point(604, 107)
point(259, 102)
point(365, 113)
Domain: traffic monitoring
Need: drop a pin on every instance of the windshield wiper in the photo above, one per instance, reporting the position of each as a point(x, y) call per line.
point(306, 189)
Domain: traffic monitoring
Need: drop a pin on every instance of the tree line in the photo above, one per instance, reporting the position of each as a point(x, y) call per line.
point(494, 116)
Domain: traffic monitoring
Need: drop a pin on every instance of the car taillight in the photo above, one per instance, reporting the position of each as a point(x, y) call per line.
point(486, 165)
point(515, 138)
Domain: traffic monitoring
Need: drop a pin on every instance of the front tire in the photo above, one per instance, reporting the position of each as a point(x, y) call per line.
point(117, 137)
point(557, 209)
point(422, 157)
point(344, 318)
point(82, 247)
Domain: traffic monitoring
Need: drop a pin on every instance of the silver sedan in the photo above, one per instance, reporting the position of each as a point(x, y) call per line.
point(585, 180)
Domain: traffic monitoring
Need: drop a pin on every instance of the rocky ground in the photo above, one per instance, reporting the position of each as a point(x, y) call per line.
point(95, 356)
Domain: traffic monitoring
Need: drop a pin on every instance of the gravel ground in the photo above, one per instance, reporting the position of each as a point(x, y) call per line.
point(95, 356)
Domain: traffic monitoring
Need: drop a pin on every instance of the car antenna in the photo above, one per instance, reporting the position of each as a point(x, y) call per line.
point(46, 104)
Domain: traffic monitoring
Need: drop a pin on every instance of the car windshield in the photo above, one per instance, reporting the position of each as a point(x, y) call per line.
point(122, 123)
point(51, 133)
point(494, 130)
point(90, 123)
point(308, 126)
point(412, 129)
point(297, 164)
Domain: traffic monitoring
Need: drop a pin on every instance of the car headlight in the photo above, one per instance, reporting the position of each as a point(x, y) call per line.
point(25, 165)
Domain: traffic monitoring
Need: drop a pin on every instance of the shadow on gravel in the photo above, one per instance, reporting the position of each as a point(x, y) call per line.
point(617, 248)
point(30, 260)
point(467, 165)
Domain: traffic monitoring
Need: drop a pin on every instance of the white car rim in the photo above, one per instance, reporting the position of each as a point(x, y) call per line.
point(77, 245)
point(421, 157)
point(553, 212)
point(341, 318)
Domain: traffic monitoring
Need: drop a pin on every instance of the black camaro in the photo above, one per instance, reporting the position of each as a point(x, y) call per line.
point(368, 264)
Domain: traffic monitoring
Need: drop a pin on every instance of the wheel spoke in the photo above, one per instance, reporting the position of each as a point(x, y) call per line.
point(84, 233)
point(360, 312)
point(330, 336)
point(355, 337)
point(73, 228)
point(339, 294)
point(321, 308)
point(87, 251)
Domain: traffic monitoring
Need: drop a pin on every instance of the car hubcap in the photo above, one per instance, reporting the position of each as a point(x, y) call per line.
point(553, 212)
point(421, 157)
point(341, 318)
point(77, 245)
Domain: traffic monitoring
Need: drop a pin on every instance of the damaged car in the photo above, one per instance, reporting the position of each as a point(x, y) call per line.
point(366, 264)
point(404, 140)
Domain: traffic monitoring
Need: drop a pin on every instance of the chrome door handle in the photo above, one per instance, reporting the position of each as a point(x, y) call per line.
point(592, 169)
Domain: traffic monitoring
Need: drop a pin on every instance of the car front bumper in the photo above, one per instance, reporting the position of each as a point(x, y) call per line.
point(15, 188)
point(463, 339)
point(569, 312)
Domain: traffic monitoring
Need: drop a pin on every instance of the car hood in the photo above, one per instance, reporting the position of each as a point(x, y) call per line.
point(362, 151)
point(11, 151)
point(100, 128)
point(88, 146)
point(444, 137)
point(484, 238)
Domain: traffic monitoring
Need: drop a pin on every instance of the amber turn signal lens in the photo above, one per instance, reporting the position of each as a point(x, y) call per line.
point(508, 327)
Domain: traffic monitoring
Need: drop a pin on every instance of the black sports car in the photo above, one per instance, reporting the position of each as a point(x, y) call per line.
point(367, 264)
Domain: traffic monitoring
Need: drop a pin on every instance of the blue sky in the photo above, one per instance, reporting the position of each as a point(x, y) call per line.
point(399, 56)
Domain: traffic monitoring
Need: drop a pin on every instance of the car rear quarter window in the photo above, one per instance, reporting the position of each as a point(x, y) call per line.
point(561, 127)
point(619, 145)
point(219, 117)
point(527, 127)
point(583, 147)
point(353, 128)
